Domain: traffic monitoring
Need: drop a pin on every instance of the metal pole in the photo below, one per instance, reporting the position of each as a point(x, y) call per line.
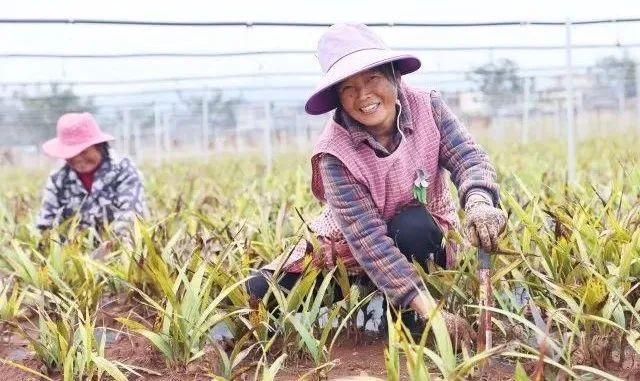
point(525, 111)
point(621, 104)
point(157, 130)
point(300, 130)
point(268, 152)
point(165, 132)
point(638, 96)
point(136, 141)
point(126, 129)
point(249, 124)
point(218, 134)
point(557, 126)
point(571, 144)
point(579, 114)
point(119, 132)
point(205, 123)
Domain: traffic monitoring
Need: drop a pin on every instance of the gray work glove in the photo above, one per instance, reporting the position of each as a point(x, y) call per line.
point(461, 333)
point(483, 223)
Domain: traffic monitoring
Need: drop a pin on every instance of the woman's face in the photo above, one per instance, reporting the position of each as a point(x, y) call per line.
point(370, 98)
point(87, 160)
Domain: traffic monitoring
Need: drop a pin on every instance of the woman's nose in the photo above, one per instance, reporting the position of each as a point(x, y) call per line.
point(363, 92)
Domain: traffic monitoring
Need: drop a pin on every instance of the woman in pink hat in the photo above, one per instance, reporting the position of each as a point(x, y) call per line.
point(93, 184)
point(380, 168)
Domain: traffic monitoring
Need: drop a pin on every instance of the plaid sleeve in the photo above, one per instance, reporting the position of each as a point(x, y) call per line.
point(366, 233)
point(130, 199)
point(467, 162)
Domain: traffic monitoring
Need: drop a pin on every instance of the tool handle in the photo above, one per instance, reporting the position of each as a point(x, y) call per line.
point(483, 259)
point(485, 299)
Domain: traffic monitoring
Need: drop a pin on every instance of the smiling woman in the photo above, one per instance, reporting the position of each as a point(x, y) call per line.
point(370, 98)
point(379, 167)
point(93, 184)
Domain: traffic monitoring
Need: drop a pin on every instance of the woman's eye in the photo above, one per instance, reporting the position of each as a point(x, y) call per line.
point(346, 89)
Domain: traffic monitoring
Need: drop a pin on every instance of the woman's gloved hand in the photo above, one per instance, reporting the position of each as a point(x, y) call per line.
point(459, 330)
point(102, 251)
point(483, 223)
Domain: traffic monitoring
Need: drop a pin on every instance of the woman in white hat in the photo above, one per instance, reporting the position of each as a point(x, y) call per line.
point(380, 167)
point(93, 184)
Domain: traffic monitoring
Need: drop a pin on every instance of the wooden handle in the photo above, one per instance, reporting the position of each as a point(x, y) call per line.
point(485, 299)
point(483, 260)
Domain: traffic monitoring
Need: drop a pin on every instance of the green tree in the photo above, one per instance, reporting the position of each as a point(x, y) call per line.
point(221, 113)
point(37, 115)
point(615, 72)
point(499, 82)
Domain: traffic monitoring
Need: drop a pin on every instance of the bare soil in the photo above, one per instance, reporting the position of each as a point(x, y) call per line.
point(362, 357)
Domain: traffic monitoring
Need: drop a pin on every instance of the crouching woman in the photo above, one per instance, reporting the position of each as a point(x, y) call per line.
point(380, 168)
point(93, 184)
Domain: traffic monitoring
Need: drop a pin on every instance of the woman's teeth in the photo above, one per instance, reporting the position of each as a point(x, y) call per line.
point(369, 109)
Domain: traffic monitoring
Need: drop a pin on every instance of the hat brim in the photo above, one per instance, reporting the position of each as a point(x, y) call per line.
point(324, 99)
point(55, 148)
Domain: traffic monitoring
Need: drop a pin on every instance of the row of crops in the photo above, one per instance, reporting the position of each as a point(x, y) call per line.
point(564, 282)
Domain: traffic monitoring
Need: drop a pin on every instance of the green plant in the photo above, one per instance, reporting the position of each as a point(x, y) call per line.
point(11, 296)
point(188, 310)
point(64, 341)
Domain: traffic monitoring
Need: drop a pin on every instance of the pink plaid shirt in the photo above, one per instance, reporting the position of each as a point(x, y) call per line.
point(365, 190)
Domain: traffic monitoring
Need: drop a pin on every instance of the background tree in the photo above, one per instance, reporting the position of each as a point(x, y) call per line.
point(499, 82)
point(616, 73)
point(36, 116)
point(221, 112)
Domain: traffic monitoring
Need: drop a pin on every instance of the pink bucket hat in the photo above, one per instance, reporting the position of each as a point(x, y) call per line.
point(348, 49)
point(76, 132)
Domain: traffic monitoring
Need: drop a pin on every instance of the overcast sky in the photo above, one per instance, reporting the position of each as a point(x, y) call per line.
point(90, 39)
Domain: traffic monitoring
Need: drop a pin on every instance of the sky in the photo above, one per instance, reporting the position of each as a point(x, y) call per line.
point(90, 39)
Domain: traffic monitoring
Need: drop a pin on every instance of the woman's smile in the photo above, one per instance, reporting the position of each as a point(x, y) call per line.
point(370, 98)
point(370, 108)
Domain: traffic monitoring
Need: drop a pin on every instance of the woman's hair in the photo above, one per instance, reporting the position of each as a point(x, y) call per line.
point(104, 149)
point(388, 70)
